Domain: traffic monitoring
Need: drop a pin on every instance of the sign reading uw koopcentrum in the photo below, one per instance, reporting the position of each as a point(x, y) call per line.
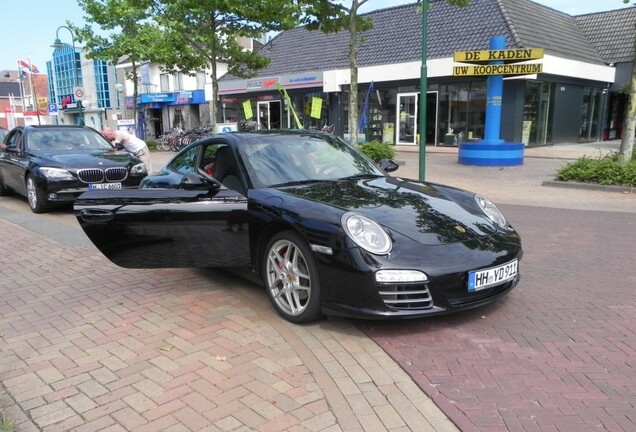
point(509, 56)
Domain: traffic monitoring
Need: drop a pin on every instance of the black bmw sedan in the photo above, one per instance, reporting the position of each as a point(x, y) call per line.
point(323, 228)
point(55, 164)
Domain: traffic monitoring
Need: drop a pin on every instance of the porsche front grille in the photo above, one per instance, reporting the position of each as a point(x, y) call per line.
point(406, 296)
point(97, 175)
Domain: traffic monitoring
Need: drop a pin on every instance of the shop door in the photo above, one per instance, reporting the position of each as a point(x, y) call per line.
point(269, 114)
point(406, 127)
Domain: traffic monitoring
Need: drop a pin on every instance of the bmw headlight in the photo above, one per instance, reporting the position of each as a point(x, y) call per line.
point(139, 169)
point(367, 234)
point(491, 211)
point(56, 173)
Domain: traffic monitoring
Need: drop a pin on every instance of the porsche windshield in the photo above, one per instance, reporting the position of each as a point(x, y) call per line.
point(67, 141)
point(288, 159)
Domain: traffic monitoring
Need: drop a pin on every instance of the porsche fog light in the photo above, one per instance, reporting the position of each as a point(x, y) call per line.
point(491, 211)
point(400, 276)
point(366, 233)
point(139, 169)
point(56, 173)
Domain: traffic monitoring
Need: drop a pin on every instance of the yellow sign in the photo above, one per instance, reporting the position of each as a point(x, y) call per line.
point(502, 69)
point(507, 55)
point(316, 107)
point(247, 109)
point(43, 103)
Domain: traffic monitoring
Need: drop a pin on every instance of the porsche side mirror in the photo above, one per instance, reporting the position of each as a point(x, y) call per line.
point(388, 165)
point(196, 181)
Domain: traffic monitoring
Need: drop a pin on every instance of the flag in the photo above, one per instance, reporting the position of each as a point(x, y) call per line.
point(27, 67)
point(363, 116)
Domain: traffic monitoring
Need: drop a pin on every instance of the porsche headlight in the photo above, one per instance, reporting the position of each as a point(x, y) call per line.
point(56, 173)
point(139, 169)
point(367, 234)
point(491, 211)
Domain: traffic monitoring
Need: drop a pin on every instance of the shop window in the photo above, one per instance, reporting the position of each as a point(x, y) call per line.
point(536, 114)
point(590, 113)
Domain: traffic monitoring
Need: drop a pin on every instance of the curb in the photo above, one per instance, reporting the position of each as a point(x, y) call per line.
point(590, 186)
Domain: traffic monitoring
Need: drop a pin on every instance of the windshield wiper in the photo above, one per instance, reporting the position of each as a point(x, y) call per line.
point(361, 176)
point(302, 182)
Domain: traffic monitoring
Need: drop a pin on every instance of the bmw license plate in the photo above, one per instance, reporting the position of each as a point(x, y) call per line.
point(93, 186)
point(478, 280)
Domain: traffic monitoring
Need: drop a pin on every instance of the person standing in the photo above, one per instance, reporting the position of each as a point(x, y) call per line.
point(131, 144)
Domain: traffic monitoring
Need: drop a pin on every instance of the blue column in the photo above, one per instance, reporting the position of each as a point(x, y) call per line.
point(494, 95)
point(492, 150)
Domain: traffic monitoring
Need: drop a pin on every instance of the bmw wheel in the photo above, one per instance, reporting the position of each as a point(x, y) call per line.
point(291, 278)
point(36, 196)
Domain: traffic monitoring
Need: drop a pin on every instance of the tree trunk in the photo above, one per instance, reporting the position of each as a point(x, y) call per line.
point(353, 64)
point(627, 142)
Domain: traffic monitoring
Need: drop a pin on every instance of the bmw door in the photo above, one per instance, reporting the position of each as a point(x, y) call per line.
point(12, 162)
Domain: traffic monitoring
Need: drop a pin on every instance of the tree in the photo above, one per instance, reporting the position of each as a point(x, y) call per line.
point(627, 142)
point(330, 16)
point(204, 32)
point(132, 35)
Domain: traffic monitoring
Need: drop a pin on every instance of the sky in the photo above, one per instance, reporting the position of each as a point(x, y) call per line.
point(29, 27)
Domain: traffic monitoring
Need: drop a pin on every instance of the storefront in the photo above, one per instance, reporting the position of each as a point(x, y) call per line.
point(159, 113)
point(567, 101)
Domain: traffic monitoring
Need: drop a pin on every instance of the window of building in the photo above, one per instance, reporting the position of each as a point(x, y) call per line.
point(66, 72)
point(164, 80)
point(102, 85)
point(201, 76)
point(178, 81)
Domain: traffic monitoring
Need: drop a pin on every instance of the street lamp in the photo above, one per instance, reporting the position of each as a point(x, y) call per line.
point(58, 44)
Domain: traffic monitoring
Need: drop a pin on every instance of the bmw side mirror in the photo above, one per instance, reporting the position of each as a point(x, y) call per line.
point(196, 181)
point(388, 165)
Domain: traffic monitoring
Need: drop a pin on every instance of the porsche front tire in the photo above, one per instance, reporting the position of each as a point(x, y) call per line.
point(291, 278)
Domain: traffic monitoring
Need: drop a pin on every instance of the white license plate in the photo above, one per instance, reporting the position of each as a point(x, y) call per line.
point(478, 280)
point(104, 186)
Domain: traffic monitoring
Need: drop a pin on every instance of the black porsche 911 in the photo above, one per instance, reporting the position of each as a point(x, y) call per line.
point(55, 164)
point(323, 228)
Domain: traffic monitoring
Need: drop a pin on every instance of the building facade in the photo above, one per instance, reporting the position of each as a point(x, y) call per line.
point(571, 100)
point(82, 90)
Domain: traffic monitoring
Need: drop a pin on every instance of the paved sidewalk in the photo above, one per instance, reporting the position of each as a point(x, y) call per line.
point(87, 346)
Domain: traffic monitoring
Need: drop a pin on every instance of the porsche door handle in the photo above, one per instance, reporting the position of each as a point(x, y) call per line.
point(96, 215)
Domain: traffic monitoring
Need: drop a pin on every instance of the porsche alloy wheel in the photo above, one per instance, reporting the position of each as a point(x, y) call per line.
point(35, 196)
point(291, 278)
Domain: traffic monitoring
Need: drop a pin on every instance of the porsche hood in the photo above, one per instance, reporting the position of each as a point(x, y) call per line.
point(429, 213)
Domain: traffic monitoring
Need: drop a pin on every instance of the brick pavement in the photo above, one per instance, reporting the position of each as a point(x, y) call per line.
point(89, 346)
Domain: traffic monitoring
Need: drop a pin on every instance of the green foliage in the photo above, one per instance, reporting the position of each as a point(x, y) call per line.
point(6, 424)
point(152, 144)
point(605, 171)
point(377, 151)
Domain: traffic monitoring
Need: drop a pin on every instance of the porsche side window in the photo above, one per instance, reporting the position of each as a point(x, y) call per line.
point(185, 162)
point(207, 160)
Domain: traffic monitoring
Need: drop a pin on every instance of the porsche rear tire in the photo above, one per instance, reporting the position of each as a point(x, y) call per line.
point(291, 278)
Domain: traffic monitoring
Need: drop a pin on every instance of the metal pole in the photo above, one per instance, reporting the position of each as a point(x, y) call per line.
point(423, 89)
